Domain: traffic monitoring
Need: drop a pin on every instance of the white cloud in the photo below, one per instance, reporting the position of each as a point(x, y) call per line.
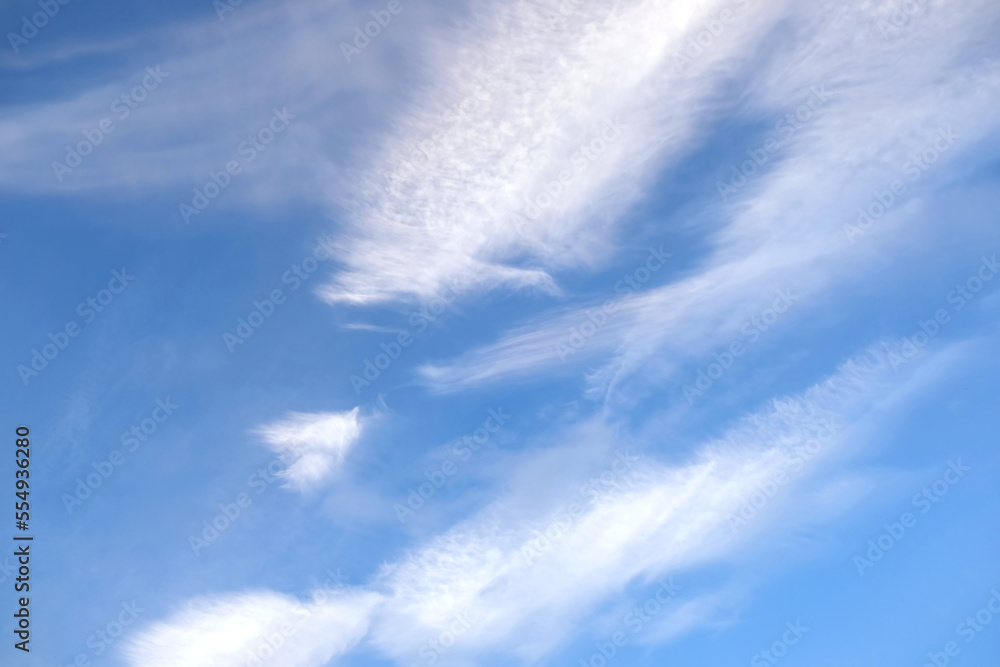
point(523, 576)
point(315, 444)
point(785, 227)
point(526, 579)
point(519, 578)
point(220, 87)
point(515, 104)
point(254, 628)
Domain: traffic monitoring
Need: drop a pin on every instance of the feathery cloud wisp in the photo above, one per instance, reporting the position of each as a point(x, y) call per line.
point(316, 444)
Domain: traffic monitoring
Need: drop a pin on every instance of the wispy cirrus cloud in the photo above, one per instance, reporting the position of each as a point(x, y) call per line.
point(539, 128)
point(219, 87)
point(527, 580)
point(521, 577)
point(314, 443)
point(518, 164)
point(785, 228)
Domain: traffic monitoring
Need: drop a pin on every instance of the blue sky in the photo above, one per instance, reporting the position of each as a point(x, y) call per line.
point(550, 333)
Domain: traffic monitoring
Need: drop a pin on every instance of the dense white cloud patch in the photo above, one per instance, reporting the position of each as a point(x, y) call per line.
point(535, 133)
